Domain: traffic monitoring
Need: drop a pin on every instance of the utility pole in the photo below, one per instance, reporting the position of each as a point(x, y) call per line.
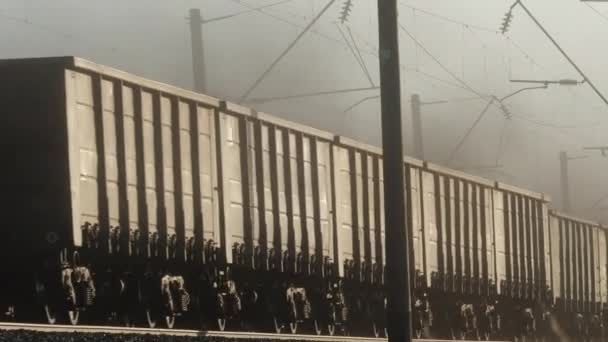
point(198, 59)
point(397, 283)
point(417, 127)
point(563, 179)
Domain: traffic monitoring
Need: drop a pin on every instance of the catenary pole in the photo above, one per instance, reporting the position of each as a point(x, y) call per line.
point(397, 282)
point(417, 127)
point(564, 182)
point(198, 60)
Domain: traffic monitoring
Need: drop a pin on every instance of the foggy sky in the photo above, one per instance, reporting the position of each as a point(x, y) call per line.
point(151, 39)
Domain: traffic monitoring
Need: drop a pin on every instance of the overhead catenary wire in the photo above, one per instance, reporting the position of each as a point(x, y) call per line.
point(371, 81)
point(254, 9)
point(373, 52)
point(356, 55)
point(291, 23)
point(444, 18)
point(556, 44)
point(285, 52)
point(464, 138)
point(473, 28)
point(598, 12)
point(312, 94)
point(434, 58)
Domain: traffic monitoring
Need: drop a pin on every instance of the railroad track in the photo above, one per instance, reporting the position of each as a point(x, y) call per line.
point(46, 328)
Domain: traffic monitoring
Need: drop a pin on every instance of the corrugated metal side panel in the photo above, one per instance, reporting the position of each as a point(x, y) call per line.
point(325, 194)
point(594, 241)
point(209, 187)
point(549, 251)
point(371, 210)
point(74, 147)
point(283, 179)
point(148, 123)
point(296, 190)
point(417, 224)
point(232, 182)
point(568, 260)
point(267, 186)
point(491, 243)
point(309, 197)
point(603, 267)
point(500, 238)
point(343, 207)
point(130, 138)
point(357, 170)
point(185, 149)
point(167, 123)
point(382, 216)
point(443, 227)
point(555, 257)
point(452, 206)
point(253, 167)
point(85, 148)
point(110, 148)
point(430, 199)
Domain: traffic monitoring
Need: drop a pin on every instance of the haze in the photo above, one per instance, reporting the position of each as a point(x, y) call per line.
point(152, 39)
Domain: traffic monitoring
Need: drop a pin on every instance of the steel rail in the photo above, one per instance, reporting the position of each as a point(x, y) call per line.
point(91, 329)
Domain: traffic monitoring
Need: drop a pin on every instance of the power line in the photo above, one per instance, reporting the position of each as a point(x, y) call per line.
point(285, 52)
point(360, 57)
point(596, 11)
point(473, 28)
point(318, 93)
point(548, 124)
point(453, 21)
point(469, 131)
point(291, 23)
point(542, 28)
point(357, 57)
point(465, 84)
point(255, 9)
point(522, 51)
point(373, 53)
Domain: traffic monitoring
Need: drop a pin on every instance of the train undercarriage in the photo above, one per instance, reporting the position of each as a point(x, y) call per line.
point(80, 287)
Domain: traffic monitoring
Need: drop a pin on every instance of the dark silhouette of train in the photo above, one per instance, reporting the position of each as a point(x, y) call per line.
point(127, 201)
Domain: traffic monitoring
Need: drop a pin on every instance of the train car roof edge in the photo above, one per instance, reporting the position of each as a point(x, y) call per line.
point(458, 174)
point(526, 192)
point(574, 218)
point(269, 118)
point(81, 63)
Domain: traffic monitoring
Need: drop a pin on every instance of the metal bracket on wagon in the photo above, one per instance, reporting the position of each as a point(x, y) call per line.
point(134, 241)
point(172, 246)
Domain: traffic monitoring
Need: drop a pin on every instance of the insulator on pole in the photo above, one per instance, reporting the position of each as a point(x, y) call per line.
point(506, 22)
point(347, 7)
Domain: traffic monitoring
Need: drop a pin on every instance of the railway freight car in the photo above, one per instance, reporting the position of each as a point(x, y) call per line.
point(578, 273)
point(129, 201)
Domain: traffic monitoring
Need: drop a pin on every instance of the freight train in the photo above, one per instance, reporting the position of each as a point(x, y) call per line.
point(129, 201)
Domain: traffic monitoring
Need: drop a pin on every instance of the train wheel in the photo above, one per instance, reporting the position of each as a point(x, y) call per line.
point(318, 327)
point(293, 326)
point(150, 319)
point(277, 326)
point(376, 330)
point(73, 316)
point(170, 320)
point(221, 324)
point(331, 329)
point(51, 317)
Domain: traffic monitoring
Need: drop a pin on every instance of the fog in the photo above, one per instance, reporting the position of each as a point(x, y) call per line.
point(470, 58)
